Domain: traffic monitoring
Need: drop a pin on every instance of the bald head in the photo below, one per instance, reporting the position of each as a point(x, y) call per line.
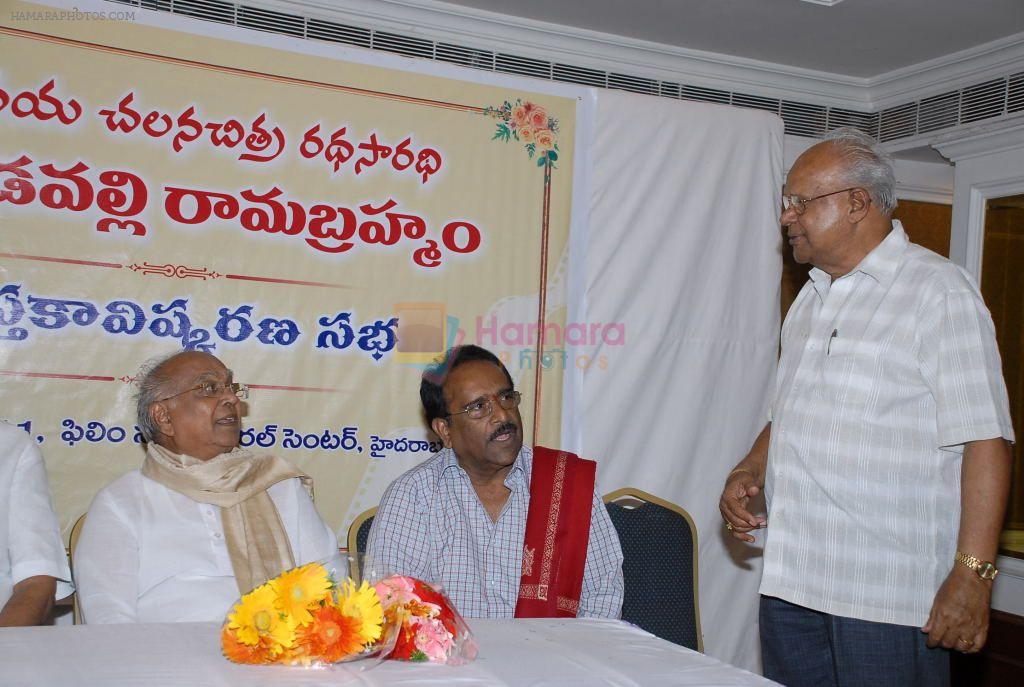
point(176, 410)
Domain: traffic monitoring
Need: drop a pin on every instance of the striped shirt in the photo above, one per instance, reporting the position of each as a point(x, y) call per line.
point(884, 375)
point(431, 525)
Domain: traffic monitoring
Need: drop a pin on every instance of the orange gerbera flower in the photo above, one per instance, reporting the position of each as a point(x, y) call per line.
point(234, 650)
point(332, 635)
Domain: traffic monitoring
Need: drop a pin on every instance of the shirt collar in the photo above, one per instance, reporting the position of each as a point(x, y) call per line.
point(520, 468)
point(880, 264)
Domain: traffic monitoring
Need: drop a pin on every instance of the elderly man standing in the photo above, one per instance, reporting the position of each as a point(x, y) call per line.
point(203, 521)
point(33, 565)
point(885, 463)
point(506, 530)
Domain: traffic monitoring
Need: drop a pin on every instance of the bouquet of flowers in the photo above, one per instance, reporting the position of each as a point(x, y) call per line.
point(305, 617)
point(428, 628)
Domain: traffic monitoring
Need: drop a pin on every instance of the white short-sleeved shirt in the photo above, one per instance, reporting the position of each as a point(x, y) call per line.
point(884, 375)
point(149, 554)
point(30, 540)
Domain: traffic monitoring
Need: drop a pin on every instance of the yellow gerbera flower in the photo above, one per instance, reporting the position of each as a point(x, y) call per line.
point(362, 602)
point(301, 590)
point(256, 616)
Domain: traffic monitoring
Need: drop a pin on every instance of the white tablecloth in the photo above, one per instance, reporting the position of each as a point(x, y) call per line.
point(516, 652)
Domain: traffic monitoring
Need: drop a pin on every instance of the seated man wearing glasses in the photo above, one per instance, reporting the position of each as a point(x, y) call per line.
point(203, 521)
point(506, 530)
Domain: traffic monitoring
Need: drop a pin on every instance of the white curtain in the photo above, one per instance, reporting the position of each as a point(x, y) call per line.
point(683, 248)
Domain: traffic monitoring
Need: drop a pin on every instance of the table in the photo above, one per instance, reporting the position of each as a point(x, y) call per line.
point(530, 652)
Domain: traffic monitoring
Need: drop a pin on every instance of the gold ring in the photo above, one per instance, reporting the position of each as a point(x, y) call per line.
point(967, 643)
point(728, 526)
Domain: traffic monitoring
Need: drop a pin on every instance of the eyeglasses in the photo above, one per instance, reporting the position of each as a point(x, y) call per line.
point(798, 204)
point(477, 410)
point(213, 390)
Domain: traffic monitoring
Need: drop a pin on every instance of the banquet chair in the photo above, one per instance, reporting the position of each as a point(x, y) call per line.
point(76, 531)
point(358, 533)
point(659, 547)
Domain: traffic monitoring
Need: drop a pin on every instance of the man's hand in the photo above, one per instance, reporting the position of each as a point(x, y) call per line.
point(740, 487)
point(959, 616)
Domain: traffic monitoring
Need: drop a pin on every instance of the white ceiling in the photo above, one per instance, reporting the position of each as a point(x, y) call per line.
point(857, 38)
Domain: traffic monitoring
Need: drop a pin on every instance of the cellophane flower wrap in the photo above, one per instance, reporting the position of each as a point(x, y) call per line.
point(304, 616)
point(307, 617)
point(423, 624)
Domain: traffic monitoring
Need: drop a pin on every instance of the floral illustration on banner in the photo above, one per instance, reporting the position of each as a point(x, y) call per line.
point(529, 124)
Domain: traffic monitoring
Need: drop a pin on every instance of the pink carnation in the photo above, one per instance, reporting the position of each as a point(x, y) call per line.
point(432, 639)
point(395, 590)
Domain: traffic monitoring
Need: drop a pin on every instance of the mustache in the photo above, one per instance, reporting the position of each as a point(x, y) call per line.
point(505, 427)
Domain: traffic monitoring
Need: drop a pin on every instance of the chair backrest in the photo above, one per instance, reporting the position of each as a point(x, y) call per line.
point(76, 531)
point(358, 533)
point(659, 547)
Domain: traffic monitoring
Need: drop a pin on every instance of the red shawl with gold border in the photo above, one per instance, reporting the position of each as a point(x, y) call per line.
point(557, 533)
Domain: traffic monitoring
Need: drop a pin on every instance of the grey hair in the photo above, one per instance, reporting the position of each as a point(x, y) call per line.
point(151, 383)
point(867, 165)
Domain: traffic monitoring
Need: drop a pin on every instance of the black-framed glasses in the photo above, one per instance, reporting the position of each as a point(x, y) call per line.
point(213, 390)
point(794, 202)
point(477, 410)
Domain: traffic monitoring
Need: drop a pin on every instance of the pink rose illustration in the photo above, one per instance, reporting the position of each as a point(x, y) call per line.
point(538, 117)
point(526, 135)
point(519, 115)
point(545, 139)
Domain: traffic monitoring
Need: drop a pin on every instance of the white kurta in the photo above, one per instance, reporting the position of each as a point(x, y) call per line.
point(30, 541)
point(149, 554)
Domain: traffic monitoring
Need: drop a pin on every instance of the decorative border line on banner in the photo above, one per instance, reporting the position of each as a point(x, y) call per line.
point(68, 261)
point(545, 220)
point(316, 389)
point(543, 297)
point(54, 375)
point(171, 270)
point(296, 282)
point(131, 379)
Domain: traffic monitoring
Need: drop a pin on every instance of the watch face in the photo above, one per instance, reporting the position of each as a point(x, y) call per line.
point(987, 571)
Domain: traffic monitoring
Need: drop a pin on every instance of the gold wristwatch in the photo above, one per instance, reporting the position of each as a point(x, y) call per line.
point(985, 569)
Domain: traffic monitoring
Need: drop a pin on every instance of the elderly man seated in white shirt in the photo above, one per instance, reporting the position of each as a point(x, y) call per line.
point(33, 566)
point(203, 521)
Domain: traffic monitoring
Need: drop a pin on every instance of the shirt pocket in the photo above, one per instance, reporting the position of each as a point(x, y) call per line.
point(849, 373)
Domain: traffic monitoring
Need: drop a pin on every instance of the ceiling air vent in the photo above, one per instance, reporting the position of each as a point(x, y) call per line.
point(337, 33)
point(668, 89)
point(705, 95)
point(211, 10)
point(898, 122)
point(467, 57)
point(804, 120)
point(524, 66)
point(267, 20)
point(983, 101)
point(403, 45)
point(938, 112)
point(755, 102)
point(636, 84)
point(579, 75)
point(1015, 93)
point(865, 121)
